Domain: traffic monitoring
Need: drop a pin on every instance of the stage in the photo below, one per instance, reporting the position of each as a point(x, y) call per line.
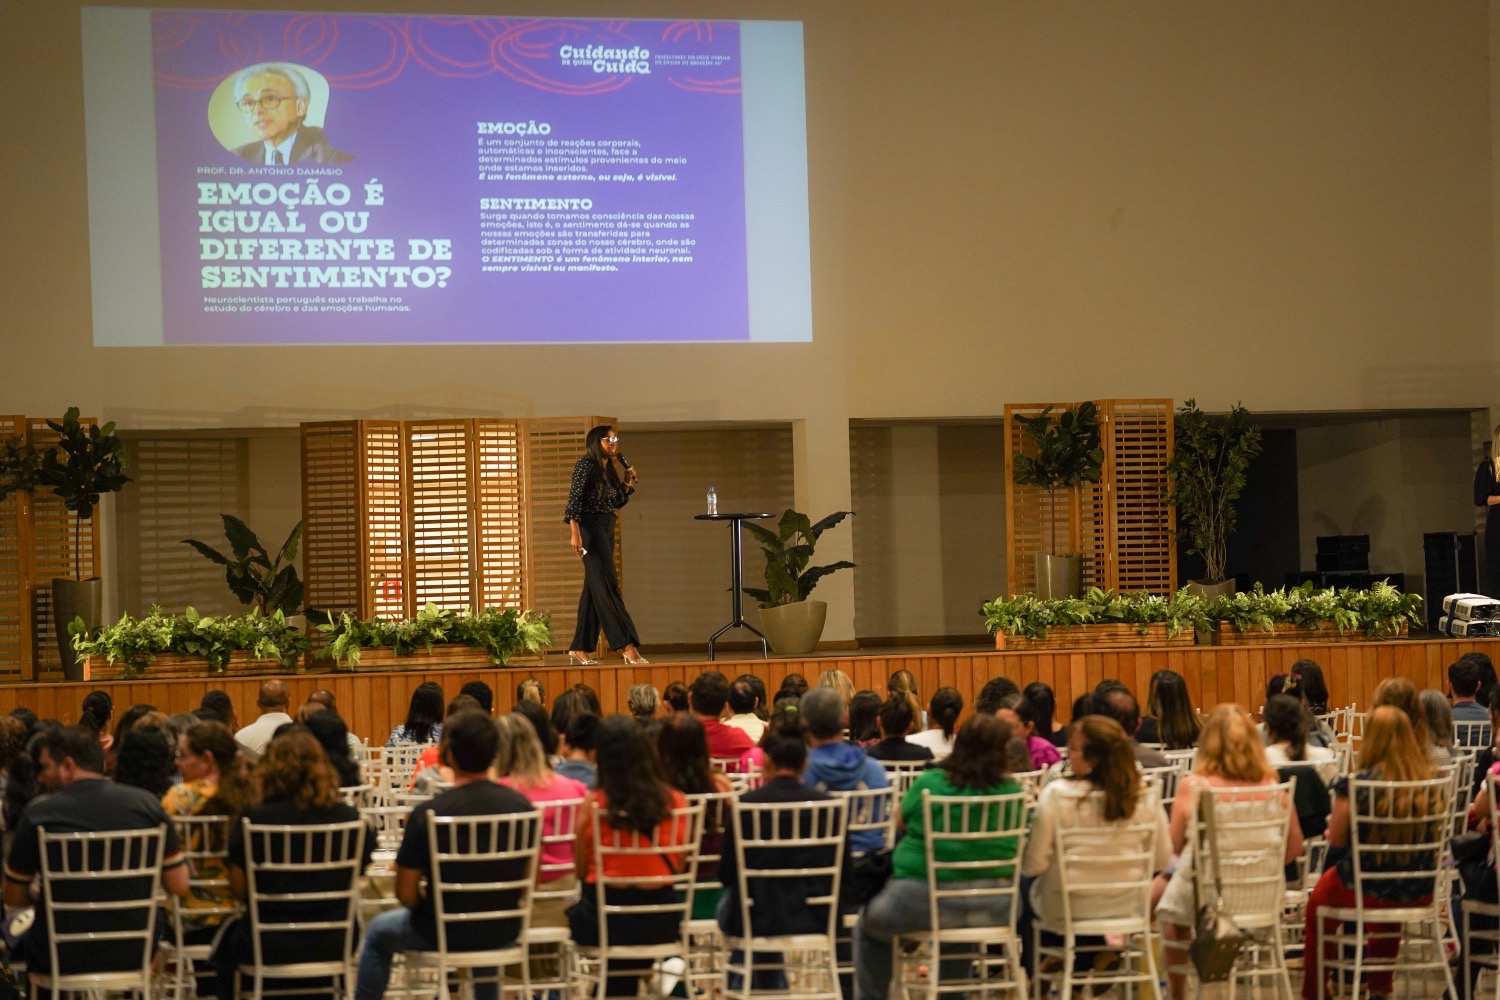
point(373, 703)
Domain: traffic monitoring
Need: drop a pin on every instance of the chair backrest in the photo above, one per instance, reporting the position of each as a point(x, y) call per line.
point(99, 891)
point(1248, 840)
point(903, 773)
point(728, 765)
point(1184, 759)
point(389, 770)
point(1398, 831)
point(204, 841)
point(304, 884)
point(1474, 735)
point(1106, 870)
point(872, 810)
point(481, 879)
point(1166, 780)
point(357, 796)
point(791, 851)
point(675, 842)
point(955, 828)
point(1461, 766)
point(716, 810)
point(388, 822)
point(559, 840)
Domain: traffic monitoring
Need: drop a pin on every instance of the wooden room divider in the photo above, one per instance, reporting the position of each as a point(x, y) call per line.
point(1121, 525)
point(36, 544)
point(459, 513)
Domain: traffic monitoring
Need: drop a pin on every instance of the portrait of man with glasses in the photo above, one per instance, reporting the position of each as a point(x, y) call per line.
point(274, 98)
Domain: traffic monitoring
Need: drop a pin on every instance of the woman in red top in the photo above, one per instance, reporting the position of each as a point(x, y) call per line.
point(635, 800)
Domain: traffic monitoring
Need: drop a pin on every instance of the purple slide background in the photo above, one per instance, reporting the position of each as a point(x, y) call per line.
point(406, 94)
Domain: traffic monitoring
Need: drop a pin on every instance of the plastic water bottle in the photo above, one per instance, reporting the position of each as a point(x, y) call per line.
point(713, 501)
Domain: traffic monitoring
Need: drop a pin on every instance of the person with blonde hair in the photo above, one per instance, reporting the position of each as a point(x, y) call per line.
point(1402, 693)
point(1231, 754)
point(522, 765)
point(1390, 751)
point(839, 681)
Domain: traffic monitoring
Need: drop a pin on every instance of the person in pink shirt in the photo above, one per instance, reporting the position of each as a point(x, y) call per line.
point(706, 699)
point(1022, 718)
point(522, 765)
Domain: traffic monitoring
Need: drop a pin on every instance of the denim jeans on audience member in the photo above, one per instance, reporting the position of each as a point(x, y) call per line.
point(389, 933)
point(902, 908)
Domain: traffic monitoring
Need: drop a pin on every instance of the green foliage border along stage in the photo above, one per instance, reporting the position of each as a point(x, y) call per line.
point(135, 642)
point(500, 633)
point(1377, 612)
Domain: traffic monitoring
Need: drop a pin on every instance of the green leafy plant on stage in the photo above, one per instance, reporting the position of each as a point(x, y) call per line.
point(1030, 616)
point(86, 462)
point(1066, 452)
point(136, 642)
point(20, 467)
point(253, 575)
point(499, 632)
point(1379, 611)
point(788, 551)
point(1206, 476)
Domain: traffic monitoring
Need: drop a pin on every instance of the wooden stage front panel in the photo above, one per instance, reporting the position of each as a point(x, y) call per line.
point(374, 703)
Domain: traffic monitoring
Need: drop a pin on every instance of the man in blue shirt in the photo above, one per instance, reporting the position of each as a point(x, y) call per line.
point(1463, 681)
point(833, 763)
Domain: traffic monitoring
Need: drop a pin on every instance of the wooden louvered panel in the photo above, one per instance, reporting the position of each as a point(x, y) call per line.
point(554, 572)
point(1138, 446)
point(15, 576)
point(61, 546)
point(1121, 525)
point(500, 510)
point(331, 517)
point(181, 486)
point(385, 568)
point(439, 516)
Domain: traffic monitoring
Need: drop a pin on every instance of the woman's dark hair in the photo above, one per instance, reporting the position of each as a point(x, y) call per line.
point(295, 767)
point(1024, 710)
point(1287, 684)
point(590, 698)
point(978, 758)
point(425, 712)
point(896, 716)
point(97, 710)
point(1114, 772)
point(1287, 720)
point(537, 716)
point(12, 741)
point(864, 707)
point(675, 694)
point(127, 720)
point(568, 706)
point(795, 683)
point(762, 703)
point(636, 794)
point(683, 748)
point(1044, 703)
point(1169, 703)
point(944, 709)
point(146, 759)
point(1487, 679)
point(593, 444)
point(21, 778)
point(901, 682)
point(333, 736)
point(1087, 704)
point(1314, 687)
point(235, 788)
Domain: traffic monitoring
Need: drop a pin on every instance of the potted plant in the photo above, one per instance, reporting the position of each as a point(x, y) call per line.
point(1065, 453)
point(85, 463)
point(793, 623)
point(253, 576)
point(1205, 476)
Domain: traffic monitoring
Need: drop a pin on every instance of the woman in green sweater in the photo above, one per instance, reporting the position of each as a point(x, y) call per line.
point(975, 767)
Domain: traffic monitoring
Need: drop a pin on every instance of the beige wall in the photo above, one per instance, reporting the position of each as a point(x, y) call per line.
point(1281, 203)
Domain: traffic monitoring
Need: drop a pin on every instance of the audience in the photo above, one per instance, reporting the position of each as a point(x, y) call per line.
point(1044, 704)
point(976, 766)
point(864, 707)
point(1400, 692)
point(833, 763)
point(1017, 713)
point(1119, 704)
point(333, 736)
point(683, 751)
point(98, 709)
point(215, 781)
point(424, 717)
point(578, 746)
point(146, 760)
point(523, 766)
point(675, 695)
point(1314, 687)
point(839, 681)
point(707, 698)
point(1439, 717)
point(643, 701)
point(942, 721)
point(1170, 719)
point(216, 705)
point(1287, 724)
point(744, 705)
point(531, 690)
point(273, 715)
point(897, 718)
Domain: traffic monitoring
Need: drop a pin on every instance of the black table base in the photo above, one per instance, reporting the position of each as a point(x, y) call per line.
point(736, 566)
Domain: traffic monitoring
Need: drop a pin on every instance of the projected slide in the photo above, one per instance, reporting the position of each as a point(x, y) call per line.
point(324, 179)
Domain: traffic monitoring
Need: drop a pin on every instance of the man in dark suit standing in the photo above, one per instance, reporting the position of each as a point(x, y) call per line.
point(274, 98)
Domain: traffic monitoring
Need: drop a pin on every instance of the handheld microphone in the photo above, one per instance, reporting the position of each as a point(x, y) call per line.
point(630, 474)
point(623, 461)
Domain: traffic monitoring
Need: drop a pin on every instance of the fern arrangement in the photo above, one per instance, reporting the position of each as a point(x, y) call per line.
point(500, 633)
point(1030, 616)
point(135, 642)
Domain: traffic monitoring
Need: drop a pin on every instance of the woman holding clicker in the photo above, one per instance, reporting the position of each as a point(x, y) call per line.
point(602, 483)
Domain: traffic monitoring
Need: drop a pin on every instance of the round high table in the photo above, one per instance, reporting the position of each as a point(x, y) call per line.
point(736, 563)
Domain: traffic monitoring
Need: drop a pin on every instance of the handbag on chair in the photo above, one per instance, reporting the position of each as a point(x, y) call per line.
point(1217, 939)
